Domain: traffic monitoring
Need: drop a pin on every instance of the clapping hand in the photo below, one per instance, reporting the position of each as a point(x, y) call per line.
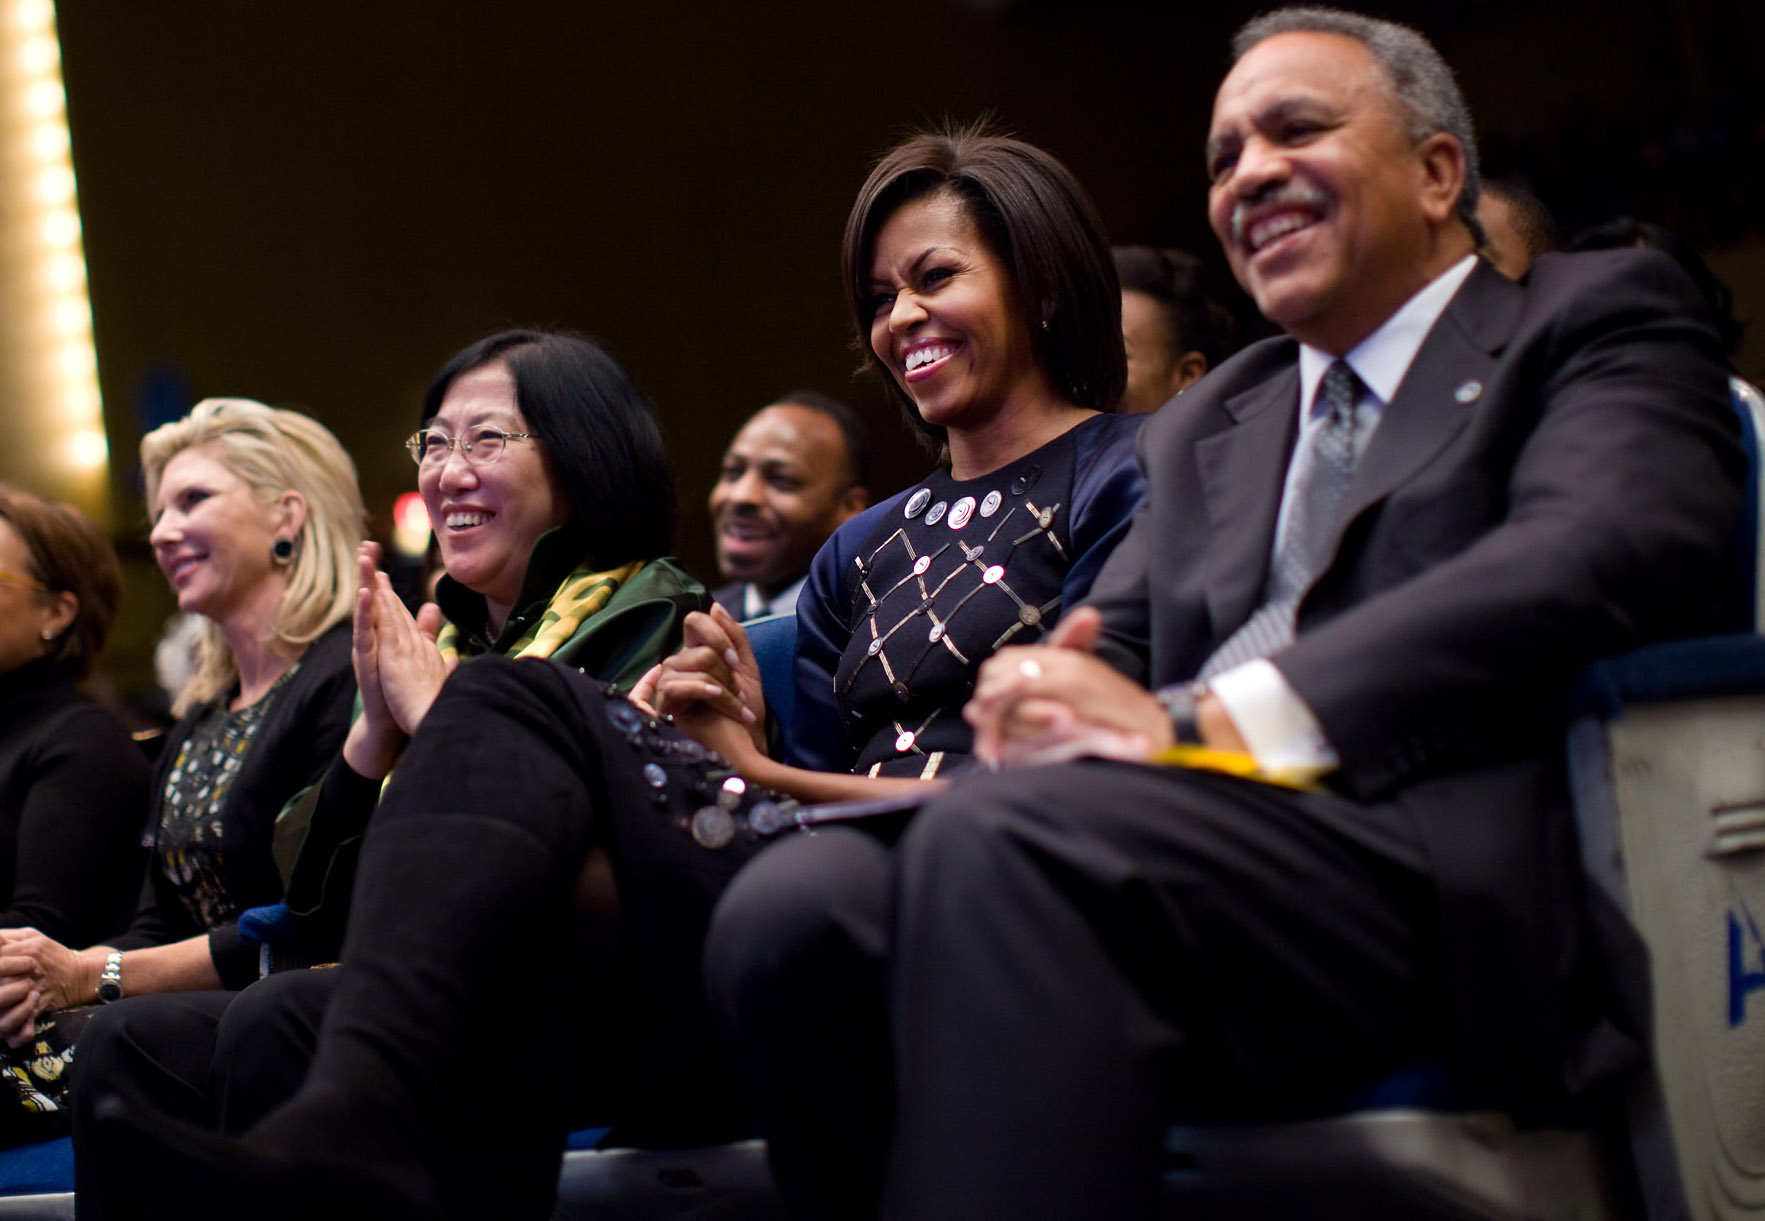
point(398, 669)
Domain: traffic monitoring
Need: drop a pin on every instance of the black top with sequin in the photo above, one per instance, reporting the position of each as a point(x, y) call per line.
point(907, 599)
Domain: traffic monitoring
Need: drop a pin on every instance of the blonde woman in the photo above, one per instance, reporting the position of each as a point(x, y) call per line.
point(256, 520)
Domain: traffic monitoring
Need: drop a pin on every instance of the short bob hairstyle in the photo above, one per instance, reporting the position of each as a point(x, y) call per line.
point(273, 451)
point(1038, 222)
point(70, 555)
point(597, 432)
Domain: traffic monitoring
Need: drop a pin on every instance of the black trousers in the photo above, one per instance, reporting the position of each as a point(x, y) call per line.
point(220, 1059)
point(998, 1016)
point(477, 1006)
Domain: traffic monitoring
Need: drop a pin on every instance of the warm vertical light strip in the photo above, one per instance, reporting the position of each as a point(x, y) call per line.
point(49, 399)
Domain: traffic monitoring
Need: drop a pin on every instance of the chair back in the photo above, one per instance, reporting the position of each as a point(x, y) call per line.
point(1668, 763)
point(1749, 551)
point(774, 641)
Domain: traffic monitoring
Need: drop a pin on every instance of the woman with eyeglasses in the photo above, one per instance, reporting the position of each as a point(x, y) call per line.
point(72, 784)
point(550, 494)
point(543, 472)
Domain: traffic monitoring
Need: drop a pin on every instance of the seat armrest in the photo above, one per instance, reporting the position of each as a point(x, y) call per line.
point(1673, 670)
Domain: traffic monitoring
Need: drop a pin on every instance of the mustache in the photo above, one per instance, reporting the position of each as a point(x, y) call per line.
point(1302, 194)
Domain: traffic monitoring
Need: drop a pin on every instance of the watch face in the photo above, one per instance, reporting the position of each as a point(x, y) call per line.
point(108, 992)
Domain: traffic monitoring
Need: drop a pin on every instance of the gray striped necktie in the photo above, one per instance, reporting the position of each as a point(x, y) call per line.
point(1311, 527)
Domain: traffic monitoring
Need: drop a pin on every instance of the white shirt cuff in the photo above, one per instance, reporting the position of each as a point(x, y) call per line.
point(1275, 723)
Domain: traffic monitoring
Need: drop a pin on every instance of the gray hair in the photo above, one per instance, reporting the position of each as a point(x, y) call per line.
point(1420, 80)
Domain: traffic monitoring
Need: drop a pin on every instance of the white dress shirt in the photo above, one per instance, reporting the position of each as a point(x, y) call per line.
point(756, 604)
point(1280, 730)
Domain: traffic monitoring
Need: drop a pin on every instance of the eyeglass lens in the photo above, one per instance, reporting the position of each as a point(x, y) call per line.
point(482, 445)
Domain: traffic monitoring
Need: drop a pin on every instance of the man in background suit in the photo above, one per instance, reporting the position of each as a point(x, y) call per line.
point(1374, 556)
point(792, 474)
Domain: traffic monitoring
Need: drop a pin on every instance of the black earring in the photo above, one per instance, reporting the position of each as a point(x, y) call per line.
point(281, 551)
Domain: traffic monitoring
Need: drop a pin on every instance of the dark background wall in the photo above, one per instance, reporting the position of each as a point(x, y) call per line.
point(314, 203)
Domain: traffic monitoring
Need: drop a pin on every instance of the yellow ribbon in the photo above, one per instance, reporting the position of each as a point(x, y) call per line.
point(1231, 763)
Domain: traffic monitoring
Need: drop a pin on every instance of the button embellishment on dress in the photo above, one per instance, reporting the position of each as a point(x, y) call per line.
point(713, 828)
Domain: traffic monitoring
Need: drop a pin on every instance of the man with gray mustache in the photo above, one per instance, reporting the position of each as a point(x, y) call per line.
point(1312, 822)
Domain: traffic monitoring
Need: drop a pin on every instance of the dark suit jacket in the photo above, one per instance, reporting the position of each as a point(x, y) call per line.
point(731, 597)
point(1557, 479)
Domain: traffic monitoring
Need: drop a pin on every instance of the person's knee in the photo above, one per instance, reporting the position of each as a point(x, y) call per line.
point(158, 1044)
point(265, 1043)
point(503, 685)
point(804, 906)
point(963, 828)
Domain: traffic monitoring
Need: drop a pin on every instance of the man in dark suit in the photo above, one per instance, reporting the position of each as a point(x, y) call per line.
point(1374, 556)
point(790, 477)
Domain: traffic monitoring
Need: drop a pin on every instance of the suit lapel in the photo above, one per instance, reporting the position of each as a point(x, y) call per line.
point(1242, 472)
point(1438, 395)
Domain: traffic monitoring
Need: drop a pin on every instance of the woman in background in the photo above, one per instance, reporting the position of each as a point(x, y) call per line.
point(72, 784)
point(1173, 330)
point(256, 519)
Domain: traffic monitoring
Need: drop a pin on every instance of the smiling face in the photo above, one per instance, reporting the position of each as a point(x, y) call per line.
point(1330, 214)
point(212, 538)
point(786, 484)
point(945, 323)
point(487, 518)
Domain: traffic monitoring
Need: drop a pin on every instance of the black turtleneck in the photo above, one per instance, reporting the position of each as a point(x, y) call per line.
point(73, 802)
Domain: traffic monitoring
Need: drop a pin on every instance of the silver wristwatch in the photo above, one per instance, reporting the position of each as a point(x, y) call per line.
point(110, 980)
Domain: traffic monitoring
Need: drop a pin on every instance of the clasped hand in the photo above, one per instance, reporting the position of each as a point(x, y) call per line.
point(711, 687)
point(37, 974)
point(1047, 703)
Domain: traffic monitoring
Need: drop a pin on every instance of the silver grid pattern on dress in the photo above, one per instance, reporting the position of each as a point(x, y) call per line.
point(986, 563)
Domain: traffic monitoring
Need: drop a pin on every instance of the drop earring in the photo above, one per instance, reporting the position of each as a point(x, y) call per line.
point(282, 552)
